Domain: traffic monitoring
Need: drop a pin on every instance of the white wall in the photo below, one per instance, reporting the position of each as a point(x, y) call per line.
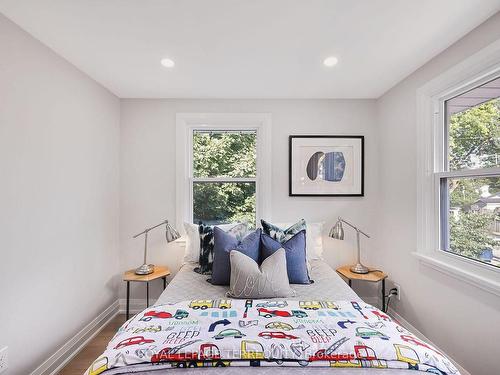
point(60, 170)
point(147, 176)
point(59, 140)
point(463, 320)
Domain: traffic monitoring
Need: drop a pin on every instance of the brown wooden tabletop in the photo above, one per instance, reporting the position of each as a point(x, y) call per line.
point(159, 272)
point(373, 276)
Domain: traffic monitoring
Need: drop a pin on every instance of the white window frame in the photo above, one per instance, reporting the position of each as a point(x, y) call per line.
point(432, 166)
point(186, 123)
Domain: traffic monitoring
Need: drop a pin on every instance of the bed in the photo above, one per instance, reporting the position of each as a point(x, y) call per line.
point(190, 286)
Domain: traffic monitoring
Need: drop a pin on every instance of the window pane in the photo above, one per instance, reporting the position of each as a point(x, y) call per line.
point(224, 202)
point(473, 123)
point(224, 153)
point(474, 218)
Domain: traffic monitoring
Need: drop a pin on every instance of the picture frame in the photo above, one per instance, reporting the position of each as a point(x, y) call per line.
point(326, 165)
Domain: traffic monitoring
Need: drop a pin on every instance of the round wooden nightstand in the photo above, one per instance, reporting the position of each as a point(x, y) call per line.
point(130, 276)
point(373, 276)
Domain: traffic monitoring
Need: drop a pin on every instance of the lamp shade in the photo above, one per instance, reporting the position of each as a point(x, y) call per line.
point(337, 231)
point(171, 233)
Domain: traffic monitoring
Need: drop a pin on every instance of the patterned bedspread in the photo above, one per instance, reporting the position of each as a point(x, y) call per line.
point(224, 332)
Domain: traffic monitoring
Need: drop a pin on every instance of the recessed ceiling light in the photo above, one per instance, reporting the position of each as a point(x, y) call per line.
point(330, 61)
point(167, 63)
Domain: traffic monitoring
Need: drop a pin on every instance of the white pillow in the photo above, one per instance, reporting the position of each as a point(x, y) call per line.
point(314, 239)
point(192, 250)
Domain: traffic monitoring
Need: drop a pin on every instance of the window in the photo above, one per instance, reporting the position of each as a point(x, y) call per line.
point(224, 175)
point(223, 167)
point(457, 171)
point(469, 183)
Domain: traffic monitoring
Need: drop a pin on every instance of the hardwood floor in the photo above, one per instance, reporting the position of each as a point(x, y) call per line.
point(94, 348)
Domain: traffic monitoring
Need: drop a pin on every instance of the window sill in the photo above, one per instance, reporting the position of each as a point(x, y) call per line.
point(476, 275)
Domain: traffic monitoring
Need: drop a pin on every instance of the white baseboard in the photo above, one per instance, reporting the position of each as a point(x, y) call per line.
point(136, 305)
point(69, 350)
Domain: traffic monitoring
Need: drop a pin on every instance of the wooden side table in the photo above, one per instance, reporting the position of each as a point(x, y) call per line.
point(130, 276)
point(373, 276)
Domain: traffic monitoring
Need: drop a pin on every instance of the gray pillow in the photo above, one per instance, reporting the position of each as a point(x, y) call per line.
point(250, 281)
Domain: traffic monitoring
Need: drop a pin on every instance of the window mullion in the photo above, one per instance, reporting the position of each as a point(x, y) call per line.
point(484, 172)
point(224, 179)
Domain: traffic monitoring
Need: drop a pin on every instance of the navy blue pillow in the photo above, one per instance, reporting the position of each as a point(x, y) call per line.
point(223, 244)
point(207, 245)
point(295, 250)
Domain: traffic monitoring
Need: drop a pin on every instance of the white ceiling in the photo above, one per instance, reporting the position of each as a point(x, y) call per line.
point(248, 48)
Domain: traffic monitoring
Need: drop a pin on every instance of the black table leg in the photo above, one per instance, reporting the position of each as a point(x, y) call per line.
point(147, 293)
point(350, 282)
point(383, 295)
point(128, 298)
point(164, 282)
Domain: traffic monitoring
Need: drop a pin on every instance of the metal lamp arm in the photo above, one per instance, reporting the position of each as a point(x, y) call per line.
point(145, 232)
point(354, 227)
point(171, 235)
point(148, 229)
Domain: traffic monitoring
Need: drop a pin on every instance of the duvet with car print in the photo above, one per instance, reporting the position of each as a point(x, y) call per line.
point(224, 332)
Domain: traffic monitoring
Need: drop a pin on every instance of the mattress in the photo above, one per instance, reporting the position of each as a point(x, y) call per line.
point(187, 285)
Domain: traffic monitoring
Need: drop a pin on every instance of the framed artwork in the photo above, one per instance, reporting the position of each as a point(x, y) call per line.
point(326, 165)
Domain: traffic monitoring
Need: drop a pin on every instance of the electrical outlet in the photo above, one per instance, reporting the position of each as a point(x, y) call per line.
point(4, 359)
point(398, 288)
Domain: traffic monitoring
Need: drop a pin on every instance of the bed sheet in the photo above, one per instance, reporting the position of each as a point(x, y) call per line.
point(328, 285)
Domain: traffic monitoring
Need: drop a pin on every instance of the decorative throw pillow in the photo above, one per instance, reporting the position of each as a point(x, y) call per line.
point(250, 281)
point(283, 235)
point(314, 238)
point(223, 244)
point(295, 250)
point(207, 245)
point(192, 249)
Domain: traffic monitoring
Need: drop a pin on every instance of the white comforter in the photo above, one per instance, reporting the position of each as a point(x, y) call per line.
point(190, 285)
point(272, 333)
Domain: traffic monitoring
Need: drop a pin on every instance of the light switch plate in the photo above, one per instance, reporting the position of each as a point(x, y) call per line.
point(4, 359)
